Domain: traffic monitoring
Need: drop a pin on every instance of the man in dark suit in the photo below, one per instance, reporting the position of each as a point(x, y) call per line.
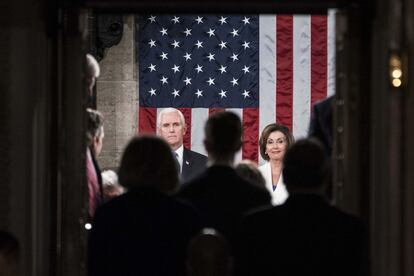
point(321, 123)
point(172, 127)
point(305, 235)
point(220, 194)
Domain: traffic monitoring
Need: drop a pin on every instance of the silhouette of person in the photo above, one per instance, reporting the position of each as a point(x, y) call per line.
point(146, 230)
point(321, 123)
point(171, 126)
point(249, 171)
point(209, 255)
point(305, 235)
point(95, 135)
point(9, 254)
point(219, 193)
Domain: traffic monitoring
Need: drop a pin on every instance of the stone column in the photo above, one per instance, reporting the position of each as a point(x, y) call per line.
point(117, 96)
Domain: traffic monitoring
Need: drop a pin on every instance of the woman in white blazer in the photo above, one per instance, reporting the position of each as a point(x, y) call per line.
point(274, 141)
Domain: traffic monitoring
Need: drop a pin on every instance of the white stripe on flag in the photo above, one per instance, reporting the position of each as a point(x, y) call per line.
point(331, 52)
point(301, 75)
point(267, 72)
point(199, 117)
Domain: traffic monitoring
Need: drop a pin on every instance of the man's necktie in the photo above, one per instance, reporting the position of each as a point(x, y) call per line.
point(177, 163)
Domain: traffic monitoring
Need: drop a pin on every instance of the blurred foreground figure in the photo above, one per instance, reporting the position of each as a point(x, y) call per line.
point(249, 171)
point(94, 136)
point(9, 254)
point(111, 187)
point(219, 193)
point(144, 231)
point(305, 235)
point(209, 255)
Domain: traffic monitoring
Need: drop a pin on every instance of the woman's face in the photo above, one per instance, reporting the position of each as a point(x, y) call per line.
point(276, 145)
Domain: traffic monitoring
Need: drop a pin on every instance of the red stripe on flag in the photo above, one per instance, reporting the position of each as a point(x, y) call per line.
point(187, 137)
point(211, 111)
point(250, 134)
point(284, 70)
point(319, 60)
point(147, 120)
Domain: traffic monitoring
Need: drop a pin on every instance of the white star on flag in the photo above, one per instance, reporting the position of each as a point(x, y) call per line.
point(187, 32)
point(234, 81)
point(176, 20)
point(222, 69)
point(223, 20)
point(235, 32)
point(210, 57)
point(163, 31)
point(223, 44)
point(187, 56)
point(199, 93)
point(246, 94)
point(164, 80)
point(176, 93)
point(199, 20)
point(152, 18)
point(187, 80)
point(152, 67)
point(199, 44)
point(152, 91)
point(223, 93)
point(246, 45)
point(210, 81)
point(152, 43)
point(176, 68)
point(199, 68)
point(246, 69)
point(175, 44)
point(234, 57)
point(246, 20)
point(211, 32)
point(164, 55)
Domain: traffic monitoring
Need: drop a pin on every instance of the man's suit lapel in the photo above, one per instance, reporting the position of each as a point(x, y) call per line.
point(186, 162)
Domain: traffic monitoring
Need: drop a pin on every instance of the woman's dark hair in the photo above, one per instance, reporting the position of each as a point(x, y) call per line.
point(148, 161)
point(266, 133)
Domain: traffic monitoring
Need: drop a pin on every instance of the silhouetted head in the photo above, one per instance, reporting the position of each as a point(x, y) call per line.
point(148, 161)
point(223, 134)
point(249, 171)
point(209, 254)
point(305, 166)
point(94, 130)
point(9, 254)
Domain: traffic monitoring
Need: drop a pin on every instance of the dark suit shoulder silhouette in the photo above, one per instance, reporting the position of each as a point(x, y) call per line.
point(321, 123)
point(305, 236)
point(142, 232)
point(193, 164)
point(222, 196)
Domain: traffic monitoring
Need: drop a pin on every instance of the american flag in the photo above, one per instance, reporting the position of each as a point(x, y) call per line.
point(265, 68)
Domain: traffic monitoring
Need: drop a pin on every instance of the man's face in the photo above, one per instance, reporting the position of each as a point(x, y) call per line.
point(172, 130)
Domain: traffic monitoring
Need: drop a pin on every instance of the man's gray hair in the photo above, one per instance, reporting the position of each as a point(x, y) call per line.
point(167, 111)
point(92, 67)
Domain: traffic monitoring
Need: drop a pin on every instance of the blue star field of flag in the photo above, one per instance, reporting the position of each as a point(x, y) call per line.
point(198, 61)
